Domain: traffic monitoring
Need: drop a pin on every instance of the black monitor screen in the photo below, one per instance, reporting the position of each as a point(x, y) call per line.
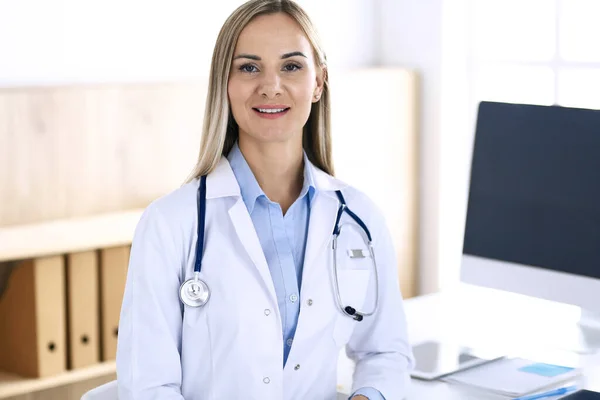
point(534, 194)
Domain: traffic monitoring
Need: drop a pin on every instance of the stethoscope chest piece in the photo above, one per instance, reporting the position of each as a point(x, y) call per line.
point(194, 292)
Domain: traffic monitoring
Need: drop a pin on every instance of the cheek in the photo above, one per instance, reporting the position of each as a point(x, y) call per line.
point(306, 96)
point(303, 98)
point(237, 98)
point(304, 91)
point(240, 94)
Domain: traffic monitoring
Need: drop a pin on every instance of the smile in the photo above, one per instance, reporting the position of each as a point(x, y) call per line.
point(271, 112)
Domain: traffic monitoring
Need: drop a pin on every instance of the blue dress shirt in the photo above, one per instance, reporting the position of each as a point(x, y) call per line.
point(283, 241)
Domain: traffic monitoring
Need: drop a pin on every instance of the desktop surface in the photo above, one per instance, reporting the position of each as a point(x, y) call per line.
point(480, 317)
point(485, 318)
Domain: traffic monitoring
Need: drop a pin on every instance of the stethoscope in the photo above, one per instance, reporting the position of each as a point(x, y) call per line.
point(195, 292)
point(349, 310)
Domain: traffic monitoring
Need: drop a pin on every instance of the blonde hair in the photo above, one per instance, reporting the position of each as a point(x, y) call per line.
point(220, 131)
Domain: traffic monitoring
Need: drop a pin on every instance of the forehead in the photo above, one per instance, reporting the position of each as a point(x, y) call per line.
point(274, 33)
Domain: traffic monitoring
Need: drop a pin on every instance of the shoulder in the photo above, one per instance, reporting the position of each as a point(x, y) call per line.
point(179, 201)
point(173, 208)
point(356, 199)
point(364, 206)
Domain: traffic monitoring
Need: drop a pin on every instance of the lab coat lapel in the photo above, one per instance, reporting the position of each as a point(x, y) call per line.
point(320, 228)
point(222, 183)
point(249, 239)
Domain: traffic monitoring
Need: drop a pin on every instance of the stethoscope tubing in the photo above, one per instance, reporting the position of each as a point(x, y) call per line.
point(201, 224)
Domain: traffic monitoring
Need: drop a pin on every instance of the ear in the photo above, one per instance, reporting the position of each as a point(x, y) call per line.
point(320, 80)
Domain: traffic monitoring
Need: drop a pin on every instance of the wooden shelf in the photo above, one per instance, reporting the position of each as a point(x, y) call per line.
point(68, 235)
point(62, 237)
point(12, 385)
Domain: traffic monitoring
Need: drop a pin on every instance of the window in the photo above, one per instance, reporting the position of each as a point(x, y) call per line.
point(536, 51)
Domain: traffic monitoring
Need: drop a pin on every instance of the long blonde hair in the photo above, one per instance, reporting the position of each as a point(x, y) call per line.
point(220, 131)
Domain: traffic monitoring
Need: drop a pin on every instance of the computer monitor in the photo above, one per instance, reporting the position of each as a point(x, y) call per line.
point(533, 214)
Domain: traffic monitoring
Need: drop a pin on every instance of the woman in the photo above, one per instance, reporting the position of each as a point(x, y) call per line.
point(272, 326)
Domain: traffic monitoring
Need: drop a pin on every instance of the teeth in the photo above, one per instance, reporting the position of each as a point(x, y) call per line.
point(271, 110)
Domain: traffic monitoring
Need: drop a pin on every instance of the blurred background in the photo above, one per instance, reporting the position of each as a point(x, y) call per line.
point(101, 105)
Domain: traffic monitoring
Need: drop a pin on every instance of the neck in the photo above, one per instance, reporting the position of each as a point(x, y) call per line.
point(277, 167)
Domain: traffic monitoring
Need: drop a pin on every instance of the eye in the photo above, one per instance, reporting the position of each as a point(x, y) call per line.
point(249, 68)
point(292, 67)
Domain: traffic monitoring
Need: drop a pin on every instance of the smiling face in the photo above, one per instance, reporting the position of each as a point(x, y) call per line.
point(274, 79)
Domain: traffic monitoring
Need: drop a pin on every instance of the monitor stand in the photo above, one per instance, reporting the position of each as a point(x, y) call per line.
point(589, 332)
point(582, 337)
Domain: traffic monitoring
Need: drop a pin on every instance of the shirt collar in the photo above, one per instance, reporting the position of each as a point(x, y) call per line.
point(308, 187)
point(249, 187)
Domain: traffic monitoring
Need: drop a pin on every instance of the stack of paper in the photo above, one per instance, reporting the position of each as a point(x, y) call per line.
point(514, 377)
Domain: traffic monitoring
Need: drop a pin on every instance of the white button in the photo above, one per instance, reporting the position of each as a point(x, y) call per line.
point(290, 341)
point(310, 302)
point(267, 311)
point(297, 367)
point(293, 298)
point(266, 380)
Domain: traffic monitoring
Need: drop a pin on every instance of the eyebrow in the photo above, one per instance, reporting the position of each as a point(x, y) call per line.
point(284, 56)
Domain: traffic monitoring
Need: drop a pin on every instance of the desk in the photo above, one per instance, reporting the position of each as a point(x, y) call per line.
point(482, 317)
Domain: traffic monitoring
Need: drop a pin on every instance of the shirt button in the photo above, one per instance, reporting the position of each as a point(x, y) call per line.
point(267, 311)
point(266, 380)
point(297, 367)
point(293, 298)
point(289, 342)
point(309, 302)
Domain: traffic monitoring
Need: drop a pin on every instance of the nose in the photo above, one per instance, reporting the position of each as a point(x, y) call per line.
point(270, 85)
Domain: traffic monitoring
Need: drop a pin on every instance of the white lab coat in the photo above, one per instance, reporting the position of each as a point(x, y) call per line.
point(232, 348)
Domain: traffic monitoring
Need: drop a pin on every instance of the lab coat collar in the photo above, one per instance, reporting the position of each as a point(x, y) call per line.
point(221, 182)
point(249, 187)
point(325, 182)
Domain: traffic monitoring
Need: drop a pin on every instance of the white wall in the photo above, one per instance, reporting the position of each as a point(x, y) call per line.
point(456, 134)
point(73, 41)
point(411, 36)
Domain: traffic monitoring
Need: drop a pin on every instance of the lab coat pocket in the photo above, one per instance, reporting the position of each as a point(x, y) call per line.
point(353, 287)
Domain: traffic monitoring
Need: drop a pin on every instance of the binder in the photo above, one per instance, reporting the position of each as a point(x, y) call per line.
point(113, 273)
point(33, 320)
point(83, 331)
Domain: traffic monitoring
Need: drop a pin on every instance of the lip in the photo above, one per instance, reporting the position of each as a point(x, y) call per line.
point(271, 107)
